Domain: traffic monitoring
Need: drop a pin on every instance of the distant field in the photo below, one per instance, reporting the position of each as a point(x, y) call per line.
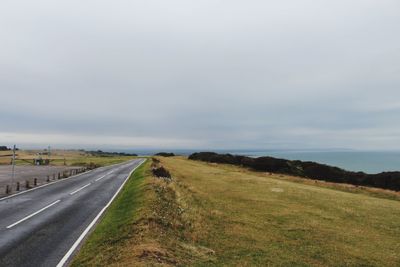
point(59, 157)
point(224, 215)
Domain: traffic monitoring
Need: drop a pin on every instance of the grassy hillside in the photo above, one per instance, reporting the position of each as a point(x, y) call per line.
point(224, 215)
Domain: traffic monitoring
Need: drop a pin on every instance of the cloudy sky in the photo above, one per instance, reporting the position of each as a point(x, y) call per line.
point(200, 74)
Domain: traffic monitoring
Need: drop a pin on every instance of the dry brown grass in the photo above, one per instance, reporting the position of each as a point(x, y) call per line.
point(220, 215)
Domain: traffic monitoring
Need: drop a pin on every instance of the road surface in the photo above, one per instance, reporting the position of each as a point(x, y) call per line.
point(42, 227)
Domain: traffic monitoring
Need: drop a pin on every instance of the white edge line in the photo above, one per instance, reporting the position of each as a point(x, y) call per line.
point(33, 214)
point(79, 189)
point(84, 233)
point(63, 179)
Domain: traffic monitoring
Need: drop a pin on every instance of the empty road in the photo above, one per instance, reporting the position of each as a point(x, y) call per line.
point(43, 227)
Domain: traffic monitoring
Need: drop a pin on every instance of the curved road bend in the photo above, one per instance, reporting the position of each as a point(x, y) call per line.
point(39, 227)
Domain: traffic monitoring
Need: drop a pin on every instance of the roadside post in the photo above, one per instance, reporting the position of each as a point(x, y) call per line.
point(13, 169)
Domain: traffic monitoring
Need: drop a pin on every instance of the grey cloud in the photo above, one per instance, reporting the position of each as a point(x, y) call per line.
point(233, 74)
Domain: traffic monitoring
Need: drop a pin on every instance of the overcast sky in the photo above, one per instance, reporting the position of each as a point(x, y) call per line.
point(200, 74)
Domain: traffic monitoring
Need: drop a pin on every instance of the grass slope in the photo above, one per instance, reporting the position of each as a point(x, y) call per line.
point(219, 215)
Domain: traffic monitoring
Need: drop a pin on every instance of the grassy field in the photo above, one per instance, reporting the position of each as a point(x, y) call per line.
point(220, 215)
point(61, 157)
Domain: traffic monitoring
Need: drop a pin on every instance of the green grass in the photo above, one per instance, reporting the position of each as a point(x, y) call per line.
point(220, 215)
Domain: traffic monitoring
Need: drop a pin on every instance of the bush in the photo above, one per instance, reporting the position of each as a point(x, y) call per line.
point(161, 172)
point(165, 154)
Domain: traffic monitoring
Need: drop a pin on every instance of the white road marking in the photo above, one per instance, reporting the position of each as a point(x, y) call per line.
point(108, 173)
point(84, 233)
point(98, 179)
point(33, 214)
point(79, 189)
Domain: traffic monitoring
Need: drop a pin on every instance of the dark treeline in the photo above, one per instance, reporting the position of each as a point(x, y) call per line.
point(306, 169)
point(164, 154)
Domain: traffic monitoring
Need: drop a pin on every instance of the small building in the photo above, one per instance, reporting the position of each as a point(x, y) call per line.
point(38, 161)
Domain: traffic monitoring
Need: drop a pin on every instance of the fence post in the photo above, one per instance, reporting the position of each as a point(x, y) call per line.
point(17, 186)
point(8, 189)
point(27, 185)
point(48, 178)
point(35, 182)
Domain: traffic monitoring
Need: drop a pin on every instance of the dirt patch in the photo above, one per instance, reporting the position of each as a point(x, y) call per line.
point(277, 190)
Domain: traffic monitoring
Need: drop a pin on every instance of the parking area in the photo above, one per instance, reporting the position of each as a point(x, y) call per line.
point(26, 175)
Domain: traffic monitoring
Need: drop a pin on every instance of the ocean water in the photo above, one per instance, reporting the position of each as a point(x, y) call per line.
point(369, 162)
point(366, 161)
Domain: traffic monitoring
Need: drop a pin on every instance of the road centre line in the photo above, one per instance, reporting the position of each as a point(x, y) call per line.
point(98, 179)
point(101, 177)
point(33, 214)
point(79, 189)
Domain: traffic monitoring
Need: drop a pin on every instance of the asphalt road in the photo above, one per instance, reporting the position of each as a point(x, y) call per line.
point(42, 227)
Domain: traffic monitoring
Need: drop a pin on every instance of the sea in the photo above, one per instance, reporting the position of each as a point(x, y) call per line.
point(366, 161)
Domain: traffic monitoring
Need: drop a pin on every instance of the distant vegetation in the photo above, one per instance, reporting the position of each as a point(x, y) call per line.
point(5, 148)
point(165, 154)
point(306, 169)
